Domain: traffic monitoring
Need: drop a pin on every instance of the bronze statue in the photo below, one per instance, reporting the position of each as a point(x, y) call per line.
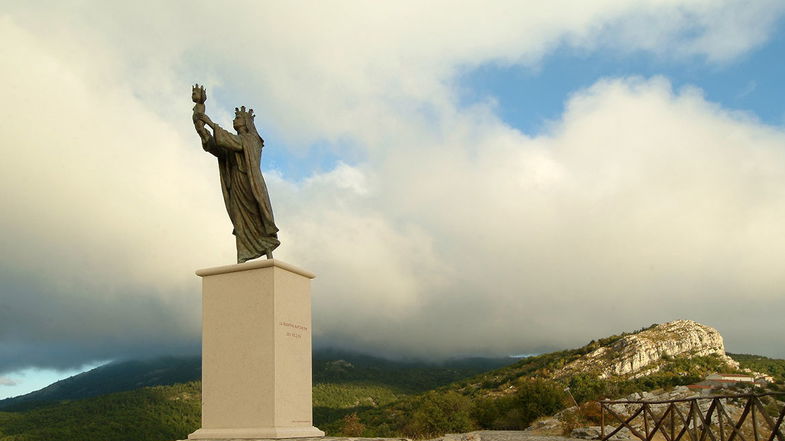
point(245, 193)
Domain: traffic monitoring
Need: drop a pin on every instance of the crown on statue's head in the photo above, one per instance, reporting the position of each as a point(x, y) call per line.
point(243, 113)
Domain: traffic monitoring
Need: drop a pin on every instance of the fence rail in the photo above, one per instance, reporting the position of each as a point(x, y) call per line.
point(685, 417)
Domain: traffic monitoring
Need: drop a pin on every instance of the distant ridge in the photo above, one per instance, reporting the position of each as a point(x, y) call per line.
point(330, 365)
point(373, 397)
point(112, 377)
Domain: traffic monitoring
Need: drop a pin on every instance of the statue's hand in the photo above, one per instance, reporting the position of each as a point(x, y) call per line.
point(205, 119)
point(203, 134)
point(198, 94)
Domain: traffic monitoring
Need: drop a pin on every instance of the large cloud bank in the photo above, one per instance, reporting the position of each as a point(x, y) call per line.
point(449, 232)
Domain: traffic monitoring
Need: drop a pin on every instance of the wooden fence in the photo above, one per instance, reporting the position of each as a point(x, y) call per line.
point(674, 419)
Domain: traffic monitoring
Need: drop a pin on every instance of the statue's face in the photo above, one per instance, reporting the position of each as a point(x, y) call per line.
point(238, 123)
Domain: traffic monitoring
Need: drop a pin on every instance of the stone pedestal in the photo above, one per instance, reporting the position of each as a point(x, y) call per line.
point(256, 352)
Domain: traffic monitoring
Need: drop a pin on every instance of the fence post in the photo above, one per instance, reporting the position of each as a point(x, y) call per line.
point(602, 421)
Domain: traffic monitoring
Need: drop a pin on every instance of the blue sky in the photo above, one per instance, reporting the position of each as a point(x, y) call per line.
point(529, 97)
point(31, 379)
point(560, 173)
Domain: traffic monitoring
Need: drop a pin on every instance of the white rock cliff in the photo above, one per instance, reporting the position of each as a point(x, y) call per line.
point(638, 354)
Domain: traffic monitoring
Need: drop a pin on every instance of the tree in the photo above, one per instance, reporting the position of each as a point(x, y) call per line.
point(439, 413)
point(535, 398)
point(352, 425)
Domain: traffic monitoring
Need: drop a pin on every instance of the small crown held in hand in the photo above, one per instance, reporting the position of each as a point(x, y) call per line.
point(198, 94)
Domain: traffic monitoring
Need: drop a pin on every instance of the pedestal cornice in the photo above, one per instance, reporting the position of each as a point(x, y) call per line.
point(254, 264)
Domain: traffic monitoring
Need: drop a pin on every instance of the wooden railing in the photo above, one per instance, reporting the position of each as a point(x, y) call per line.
point(685, 417)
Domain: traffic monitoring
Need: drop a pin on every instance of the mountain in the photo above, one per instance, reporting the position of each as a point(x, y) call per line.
point(113, 377)
point(336, 366)
point(329, 366)
point(359, 395)
point(673, 354)
point(344, 383)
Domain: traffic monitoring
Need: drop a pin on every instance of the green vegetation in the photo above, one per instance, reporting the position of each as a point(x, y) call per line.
point(110, 378)
point(160, 413)
point(534, 398)
point(343, 386)
point(402, 376)
point(347, 384)
point(329, 366)
point(439, 413)
point(334, 401)
point(350, 404)
point(772, 366)
point(673, 372)
point(356, 395)
point(506, 398)
point(513, 396)
point(446, 410)
point(348, 395)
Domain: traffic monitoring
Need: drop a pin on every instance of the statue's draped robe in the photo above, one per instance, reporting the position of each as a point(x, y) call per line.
point(245, 193)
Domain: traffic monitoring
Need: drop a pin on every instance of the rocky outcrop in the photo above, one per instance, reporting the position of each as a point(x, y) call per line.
point(594, 432)
point(638, 354)
point(500, 435)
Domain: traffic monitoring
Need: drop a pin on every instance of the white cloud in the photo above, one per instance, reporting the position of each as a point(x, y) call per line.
point(343, 177)
point(643, 205)
point(99, 195)
point(455, 233)
point(5, 381)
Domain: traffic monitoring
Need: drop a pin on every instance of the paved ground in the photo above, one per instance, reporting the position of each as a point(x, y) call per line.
point(502, 435)
point(480, 435)
point(326, 438)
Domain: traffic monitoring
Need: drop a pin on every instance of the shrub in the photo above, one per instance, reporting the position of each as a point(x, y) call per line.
point(536, 398)
point(440, 413)
point(352, 425)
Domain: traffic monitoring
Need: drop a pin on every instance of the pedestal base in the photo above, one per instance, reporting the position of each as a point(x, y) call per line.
point(256, 433)
point(256, 352)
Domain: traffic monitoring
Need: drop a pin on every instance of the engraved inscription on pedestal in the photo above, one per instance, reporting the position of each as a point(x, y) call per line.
point(296, 329)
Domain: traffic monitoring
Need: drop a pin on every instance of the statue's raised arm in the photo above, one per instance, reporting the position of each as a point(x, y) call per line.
point(244, 190)
point(199, 96)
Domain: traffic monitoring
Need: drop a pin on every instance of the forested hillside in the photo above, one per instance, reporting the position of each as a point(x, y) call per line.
point(153, 413)
point(329, 366)
point(356, 395)
point(344, 383)
point(110, 378)
point(758, 363)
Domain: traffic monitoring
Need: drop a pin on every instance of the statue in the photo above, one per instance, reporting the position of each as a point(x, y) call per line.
point(245, 193)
